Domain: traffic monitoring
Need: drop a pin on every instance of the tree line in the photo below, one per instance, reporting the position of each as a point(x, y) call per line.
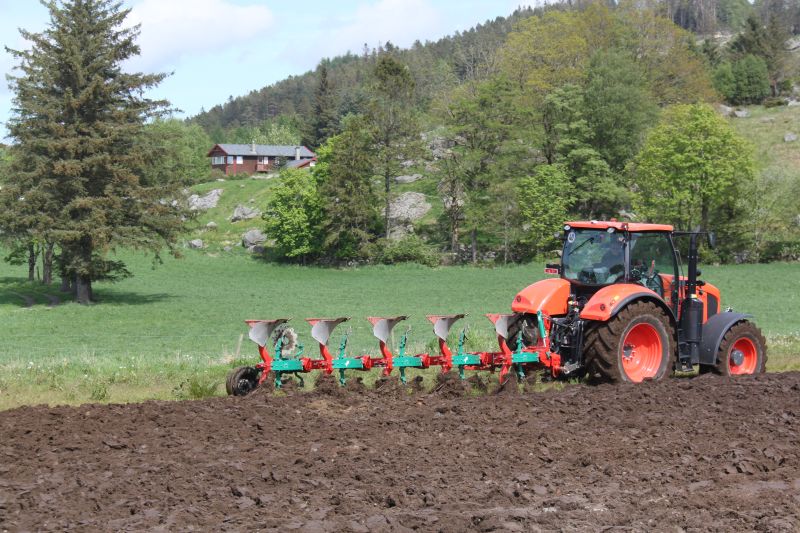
point(450, 61)
point(588, 109)
point(592, 112)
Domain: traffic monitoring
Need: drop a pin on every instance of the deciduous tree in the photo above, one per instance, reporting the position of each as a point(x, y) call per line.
point(294, 215)
point(693, 171)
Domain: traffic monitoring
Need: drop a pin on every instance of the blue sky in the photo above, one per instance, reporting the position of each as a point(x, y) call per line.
point(219, 48)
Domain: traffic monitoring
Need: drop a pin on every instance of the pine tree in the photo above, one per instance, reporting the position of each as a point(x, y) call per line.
point(76, 121)
point(345, 175)
point(325, 121)
point(767, 42)
point(394, 126)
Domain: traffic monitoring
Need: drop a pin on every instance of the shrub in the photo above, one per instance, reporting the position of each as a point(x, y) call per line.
point(409, 249)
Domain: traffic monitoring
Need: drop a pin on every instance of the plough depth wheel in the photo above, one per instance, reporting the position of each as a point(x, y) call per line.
point(241, 381)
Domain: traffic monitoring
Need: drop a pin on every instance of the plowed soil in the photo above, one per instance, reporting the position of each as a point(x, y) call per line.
point(701, 454)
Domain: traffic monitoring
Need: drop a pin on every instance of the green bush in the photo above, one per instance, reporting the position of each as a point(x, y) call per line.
point(775, 101)
point(409, 249)
point(752, 80)
point(196, 387)
point(746, 81)
point(724, 81)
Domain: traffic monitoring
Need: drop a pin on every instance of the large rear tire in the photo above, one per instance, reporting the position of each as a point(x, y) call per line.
point(743, 351)
point(636, 344)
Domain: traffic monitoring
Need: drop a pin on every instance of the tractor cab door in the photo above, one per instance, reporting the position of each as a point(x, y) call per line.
point(652, 263)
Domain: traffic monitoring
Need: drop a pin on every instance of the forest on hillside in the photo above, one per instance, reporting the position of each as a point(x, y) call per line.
point(441, 65)
point(585, 109)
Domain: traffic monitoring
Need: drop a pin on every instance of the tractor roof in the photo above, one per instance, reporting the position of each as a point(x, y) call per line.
point(619, 226)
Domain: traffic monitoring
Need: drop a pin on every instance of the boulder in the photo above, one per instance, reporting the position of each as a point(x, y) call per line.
point(258, 249)
point(793, 103)
point(253, 237)
point(244, 213)
point(408, 207)
point(207, 201)
point(440, 146)
point(211, 226)
point(404, 210)
point(399, 230)
point(227, 248)
point(196, 244)
point(724, 110)
point(408, 179)
point(789, 137)
point(741, 113)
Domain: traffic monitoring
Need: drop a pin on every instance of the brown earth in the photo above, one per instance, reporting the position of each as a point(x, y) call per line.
point(701, 454)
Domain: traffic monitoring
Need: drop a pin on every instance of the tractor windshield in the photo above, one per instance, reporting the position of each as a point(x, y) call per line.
point(594, 257)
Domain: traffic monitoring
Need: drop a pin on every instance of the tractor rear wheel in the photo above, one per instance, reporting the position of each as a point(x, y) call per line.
point(634, 345)
point(241, 381)
point(743, 350)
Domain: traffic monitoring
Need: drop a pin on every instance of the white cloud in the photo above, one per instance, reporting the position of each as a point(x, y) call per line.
point(174, 28)
point(399, 21)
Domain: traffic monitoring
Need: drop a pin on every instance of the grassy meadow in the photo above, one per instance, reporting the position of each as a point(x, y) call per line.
point(174, 331)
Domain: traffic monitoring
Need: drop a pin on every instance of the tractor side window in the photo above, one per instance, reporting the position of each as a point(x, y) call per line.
point(651, 255)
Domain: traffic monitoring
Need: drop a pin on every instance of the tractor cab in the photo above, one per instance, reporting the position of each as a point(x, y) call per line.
point(598, 254)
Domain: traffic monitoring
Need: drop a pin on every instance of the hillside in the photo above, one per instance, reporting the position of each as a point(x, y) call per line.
point(436, 65)
point(776, 160)
point(442, 64)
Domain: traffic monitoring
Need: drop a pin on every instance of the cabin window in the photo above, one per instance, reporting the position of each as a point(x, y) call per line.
point(218, 160)
point(239, 159)
point(231, 159)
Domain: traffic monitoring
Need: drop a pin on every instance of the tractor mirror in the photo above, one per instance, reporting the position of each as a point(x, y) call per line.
point(712, 240)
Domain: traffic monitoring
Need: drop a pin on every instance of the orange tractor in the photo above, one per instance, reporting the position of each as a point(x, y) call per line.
point(620, 310)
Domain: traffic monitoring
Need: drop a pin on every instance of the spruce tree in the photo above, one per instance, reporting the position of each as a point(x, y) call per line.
point(325, 121)
point(76, 120)
point(349, 202)
point(394, 128)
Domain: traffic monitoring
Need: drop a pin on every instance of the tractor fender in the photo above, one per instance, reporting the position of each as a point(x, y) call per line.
point(549, 296)
point(608, 301)
point(714, 330)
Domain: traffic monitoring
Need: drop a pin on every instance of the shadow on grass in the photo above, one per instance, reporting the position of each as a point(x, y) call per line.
point(24, 293)
point(113, 296)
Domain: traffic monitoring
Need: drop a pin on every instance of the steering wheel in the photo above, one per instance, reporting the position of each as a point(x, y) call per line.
point(653, 281)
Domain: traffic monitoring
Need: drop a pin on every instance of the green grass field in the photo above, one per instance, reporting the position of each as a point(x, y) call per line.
point(174, 331)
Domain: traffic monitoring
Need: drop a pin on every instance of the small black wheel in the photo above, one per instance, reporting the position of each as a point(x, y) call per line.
point(241, 381)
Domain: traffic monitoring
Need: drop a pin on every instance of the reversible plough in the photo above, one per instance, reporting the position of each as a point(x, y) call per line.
point(281, 356)
point(620, 309)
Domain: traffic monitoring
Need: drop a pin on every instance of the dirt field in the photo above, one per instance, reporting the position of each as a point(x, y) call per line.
point(702, 454)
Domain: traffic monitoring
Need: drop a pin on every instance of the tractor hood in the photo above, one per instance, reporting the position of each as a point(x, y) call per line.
point(549, 296)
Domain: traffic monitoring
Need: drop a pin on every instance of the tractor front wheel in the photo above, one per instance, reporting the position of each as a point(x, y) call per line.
point(635, 345)
point(241, 381)
point(743, 350)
